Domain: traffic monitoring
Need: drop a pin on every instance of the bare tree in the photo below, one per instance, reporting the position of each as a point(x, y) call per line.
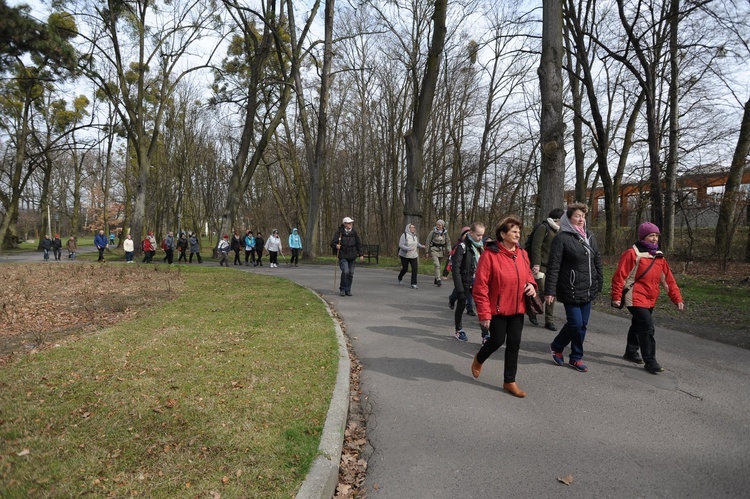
point(552, 176)
point(425, 93)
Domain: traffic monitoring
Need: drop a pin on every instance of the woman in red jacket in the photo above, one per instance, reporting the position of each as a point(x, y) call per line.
point(642, 269)
point(503, 277)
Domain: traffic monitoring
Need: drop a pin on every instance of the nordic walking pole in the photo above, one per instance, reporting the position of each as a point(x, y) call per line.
point(338, 250)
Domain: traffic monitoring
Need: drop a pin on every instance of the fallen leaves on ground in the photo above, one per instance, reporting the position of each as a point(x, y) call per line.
point(45, 303)
point(353, 466)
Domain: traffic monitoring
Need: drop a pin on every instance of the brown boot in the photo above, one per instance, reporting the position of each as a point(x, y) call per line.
point(476, 367)
point(514, 390)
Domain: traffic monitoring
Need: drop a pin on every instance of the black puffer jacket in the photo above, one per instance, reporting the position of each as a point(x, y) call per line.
point(464, 266)
point(351, 246)
point(574, 269)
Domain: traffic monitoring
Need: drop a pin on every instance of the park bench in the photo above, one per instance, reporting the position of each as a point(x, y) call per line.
point(371, 251)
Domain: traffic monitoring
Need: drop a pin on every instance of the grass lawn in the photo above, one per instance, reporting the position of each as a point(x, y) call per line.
point(222, 390)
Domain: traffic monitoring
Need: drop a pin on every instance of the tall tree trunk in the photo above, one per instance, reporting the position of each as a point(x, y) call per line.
point(552, 175)
point(321, 156)
point(670, 176)
point(414, 138)
point(728, 210)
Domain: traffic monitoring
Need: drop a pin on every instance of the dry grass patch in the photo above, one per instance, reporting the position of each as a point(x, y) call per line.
point(221, 392)
point(46, 303)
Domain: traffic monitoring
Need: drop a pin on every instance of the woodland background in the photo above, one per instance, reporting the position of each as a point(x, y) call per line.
point(212, 116)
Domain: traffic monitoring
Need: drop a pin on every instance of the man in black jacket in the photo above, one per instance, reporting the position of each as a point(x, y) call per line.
point(347, 246)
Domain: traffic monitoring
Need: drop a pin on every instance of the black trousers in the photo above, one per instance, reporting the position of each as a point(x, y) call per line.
point(641, 333)
point(405, 262)
point(295, 256)
point(237, 257)
point(196, 253)
point(504, 329)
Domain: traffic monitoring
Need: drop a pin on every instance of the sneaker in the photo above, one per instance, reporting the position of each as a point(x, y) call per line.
point(461, 336)
point(653, 367)
point(414, 286)
point(557, 356)
point(400, 282)
point(633, 357)
point(550, 326)
point(348, 293)
point(342, 293)
point(532, 320)
point(578, 365)
point(471, 312)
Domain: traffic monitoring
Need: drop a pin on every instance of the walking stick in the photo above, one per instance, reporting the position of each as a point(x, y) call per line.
point(338, 250)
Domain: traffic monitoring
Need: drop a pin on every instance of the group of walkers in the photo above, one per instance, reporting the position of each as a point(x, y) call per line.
point(494, 277)
point(253, 246)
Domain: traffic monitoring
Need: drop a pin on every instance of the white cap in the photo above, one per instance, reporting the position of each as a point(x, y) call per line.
point(347, 220)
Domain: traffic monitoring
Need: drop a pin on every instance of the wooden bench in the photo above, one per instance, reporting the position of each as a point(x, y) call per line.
point(371, 251)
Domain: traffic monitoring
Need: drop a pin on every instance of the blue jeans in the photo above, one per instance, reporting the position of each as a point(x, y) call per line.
point(347, 273)
point(574, 330)
point(46, 253)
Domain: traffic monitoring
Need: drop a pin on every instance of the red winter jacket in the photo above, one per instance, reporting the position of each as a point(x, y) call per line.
point(646, 289)
point(501, 278)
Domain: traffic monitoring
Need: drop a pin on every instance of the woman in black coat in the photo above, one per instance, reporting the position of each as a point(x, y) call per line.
point(574, 278)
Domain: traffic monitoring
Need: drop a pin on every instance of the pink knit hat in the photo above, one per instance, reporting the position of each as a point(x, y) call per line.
point(647, 228)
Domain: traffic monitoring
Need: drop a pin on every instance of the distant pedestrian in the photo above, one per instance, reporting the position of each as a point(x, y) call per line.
point(72, 247)
point(249, 241)
point(438, 248)
point(463, 267)
point(236, 245)
point(46, 246)
point(152, 240)
point(148, 250)
point(129, 248)
point(538, 250)
point(347, 246)
point(273, 246)
point(259, 245)
point(224, 250)
point(574, 278)
point(112, 238)
point(182, 246)
point(57, 247)
point(295, 245)
point(168, 247)
point(408, 251)
point(641, 272)
point(100, 241)
point(195, 247)
point(503, 277)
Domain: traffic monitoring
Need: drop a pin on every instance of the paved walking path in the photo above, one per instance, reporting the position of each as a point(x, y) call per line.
point(436, 432)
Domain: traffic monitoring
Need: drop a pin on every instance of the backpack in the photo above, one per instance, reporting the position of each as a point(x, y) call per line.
point(164, 244)
point(530, 239)
point(448, 265)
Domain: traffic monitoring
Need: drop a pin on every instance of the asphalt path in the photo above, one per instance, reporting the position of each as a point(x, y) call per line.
point(435, 431)
point(619, 431)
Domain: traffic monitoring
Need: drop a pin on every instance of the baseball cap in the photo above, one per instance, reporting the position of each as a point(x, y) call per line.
point(347, 220)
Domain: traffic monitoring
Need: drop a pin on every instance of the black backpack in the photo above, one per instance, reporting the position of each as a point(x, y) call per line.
point(530, 239)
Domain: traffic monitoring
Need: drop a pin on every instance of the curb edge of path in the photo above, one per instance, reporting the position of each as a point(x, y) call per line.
point(321, 480)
